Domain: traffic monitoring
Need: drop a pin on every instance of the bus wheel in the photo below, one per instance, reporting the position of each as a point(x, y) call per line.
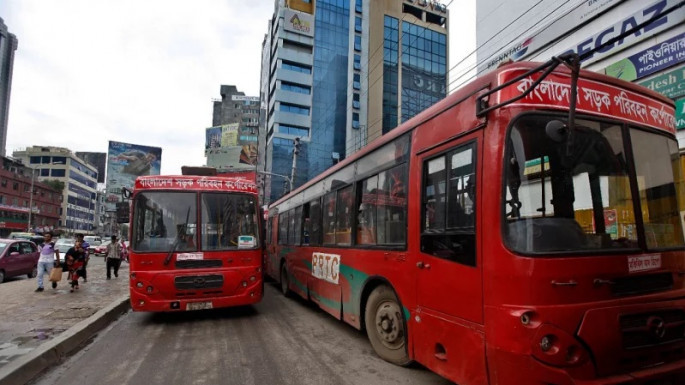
point(385, 326)
point(285, 282)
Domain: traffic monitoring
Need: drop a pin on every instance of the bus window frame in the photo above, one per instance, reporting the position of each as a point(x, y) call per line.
point(627, 142)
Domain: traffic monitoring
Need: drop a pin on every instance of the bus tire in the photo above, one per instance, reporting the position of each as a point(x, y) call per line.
point(285, 282)
point(385, 326)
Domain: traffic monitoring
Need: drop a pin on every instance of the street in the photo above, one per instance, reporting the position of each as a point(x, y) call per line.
point(278, 341)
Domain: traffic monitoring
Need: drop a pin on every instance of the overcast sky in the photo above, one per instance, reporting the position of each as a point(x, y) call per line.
point(141, 71)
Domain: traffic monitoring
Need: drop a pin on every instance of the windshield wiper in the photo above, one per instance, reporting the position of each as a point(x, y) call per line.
point(177, 240)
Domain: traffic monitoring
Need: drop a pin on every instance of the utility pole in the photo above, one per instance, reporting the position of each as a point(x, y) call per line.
point(296, 150)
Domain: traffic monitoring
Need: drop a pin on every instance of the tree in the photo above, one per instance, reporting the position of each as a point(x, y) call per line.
point(55, 184)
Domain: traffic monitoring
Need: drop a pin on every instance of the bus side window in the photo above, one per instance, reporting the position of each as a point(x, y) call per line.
point(449, 195)
point(315, 221)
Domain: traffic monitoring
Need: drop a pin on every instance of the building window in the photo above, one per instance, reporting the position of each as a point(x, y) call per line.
point(358, 24)
point(355, 101)
point(15, 186)
point(59, 160)
point(35, 160)
point(45, 159)
point(44, 172)
point(292, 87)
point(292, 66)
point(355, 120)
point(356, 84)
point(357, 62)
point(57, 172)
point(295, 109)
point(358, 43)
point(293, 130)
point(358, 6)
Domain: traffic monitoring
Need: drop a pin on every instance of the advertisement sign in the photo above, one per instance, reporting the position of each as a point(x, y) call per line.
point(654, 11)
point(670, 84)
point(593, 97)
point(248, 154)
point(242, 98)
point(213, 138)
point(298, 22)
point(422, 81)
point(680, 114)
point(126, 162)
point(229, 135)
point(578, 16)
point(652, 60)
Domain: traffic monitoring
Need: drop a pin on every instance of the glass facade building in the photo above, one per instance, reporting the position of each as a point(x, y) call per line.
point(424, 66)
point(346, 73)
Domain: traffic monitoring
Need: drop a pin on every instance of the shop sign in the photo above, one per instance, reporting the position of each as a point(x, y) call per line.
point(670, 84)
point(680, 114)
point(654, 59)
point(652, 19)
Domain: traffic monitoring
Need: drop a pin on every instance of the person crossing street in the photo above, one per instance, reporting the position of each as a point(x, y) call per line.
point(49, 259)
point(113, 257)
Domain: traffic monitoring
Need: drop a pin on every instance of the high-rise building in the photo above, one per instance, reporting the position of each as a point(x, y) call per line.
point(339, 73)
point(80, 184)
point(231, 142)
point(8, 44)
point(96, 159)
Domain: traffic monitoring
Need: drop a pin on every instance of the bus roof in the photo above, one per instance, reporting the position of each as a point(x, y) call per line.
point(196, 183)
point(643, 105)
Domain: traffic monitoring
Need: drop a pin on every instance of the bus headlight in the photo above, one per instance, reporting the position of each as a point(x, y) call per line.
point(556, 347)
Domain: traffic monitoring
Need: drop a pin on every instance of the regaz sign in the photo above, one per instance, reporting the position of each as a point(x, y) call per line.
point(663, 14)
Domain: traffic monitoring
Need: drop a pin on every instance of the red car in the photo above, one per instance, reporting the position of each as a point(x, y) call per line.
point(18, 257)
point(102, 248)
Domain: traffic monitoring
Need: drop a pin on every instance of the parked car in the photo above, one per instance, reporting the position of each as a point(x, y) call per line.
point(18, 257)
point(102, 248)
point(64, 244)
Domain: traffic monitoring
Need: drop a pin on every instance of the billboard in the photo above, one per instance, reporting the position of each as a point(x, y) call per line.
point(652, 60)
point(126, 162)
point(298, 22)
point(229, 134)
point(213, 138)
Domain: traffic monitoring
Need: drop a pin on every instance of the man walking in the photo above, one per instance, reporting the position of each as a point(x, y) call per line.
point(46, 261)
point(113, 257)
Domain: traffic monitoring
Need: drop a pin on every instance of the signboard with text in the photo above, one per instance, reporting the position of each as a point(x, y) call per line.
point(680, 114)
point(654, 59)
point(670, 84)
point(298, 22)
point(593, 97)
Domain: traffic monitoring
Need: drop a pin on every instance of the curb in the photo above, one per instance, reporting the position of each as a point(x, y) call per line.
point(28, 366)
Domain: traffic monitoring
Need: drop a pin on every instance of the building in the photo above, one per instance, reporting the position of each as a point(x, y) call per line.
point(96, 159)
point(8, 44)
point(16, 184)
point(653, 56)
point(341, 73)
point(80, 184)
point(232, 140)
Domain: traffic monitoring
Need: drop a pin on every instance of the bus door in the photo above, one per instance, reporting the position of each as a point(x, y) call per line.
point(449, 335)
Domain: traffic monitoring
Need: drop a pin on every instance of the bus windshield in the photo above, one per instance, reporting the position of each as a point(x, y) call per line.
point(167, 220)
point(571, 190)
point(162, 219)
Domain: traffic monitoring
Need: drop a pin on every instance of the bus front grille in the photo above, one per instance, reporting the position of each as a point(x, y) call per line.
point(198, 264)
point(194, 282)
point(651, 329)
point(642, 284)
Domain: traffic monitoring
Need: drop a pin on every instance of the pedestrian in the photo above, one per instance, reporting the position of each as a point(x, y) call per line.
point(113, 257)
point(85, 245)
point(47, 260)
point(75, 260)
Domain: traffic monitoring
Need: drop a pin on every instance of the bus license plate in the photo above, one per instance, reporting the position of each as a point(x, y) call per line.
point(198, 305)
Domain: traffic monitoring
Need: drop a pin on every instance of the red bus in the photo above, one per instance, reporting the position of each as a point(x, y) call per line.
point(195, 243)
point(527, 229)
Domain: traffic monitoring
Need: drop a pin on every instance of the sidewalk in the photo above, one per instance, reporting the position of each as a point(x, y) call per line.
point(38, 329)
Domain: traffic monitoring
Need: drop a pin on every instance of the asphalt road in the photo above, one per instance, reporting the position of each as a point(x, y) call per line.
point(278, 341)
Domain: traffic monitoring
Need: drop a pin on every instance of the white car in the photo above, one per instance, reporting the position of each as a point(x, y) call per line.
point(64, 244)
